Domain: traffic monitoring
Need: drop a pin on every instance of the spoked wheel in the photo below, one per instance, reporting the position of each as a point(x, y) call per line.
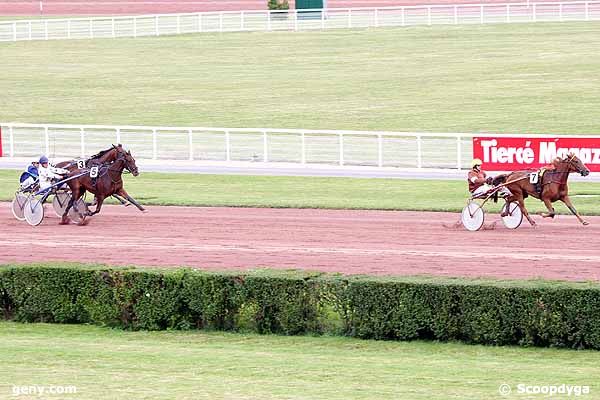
point(18, 206)
point(34, 211)
point(78, 217)
point(60, 202)
point(515, 215)
point(472, 216)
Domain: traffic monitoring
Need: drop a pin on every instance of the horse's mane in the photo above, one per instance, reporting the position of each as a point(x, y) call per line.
point(101, 153)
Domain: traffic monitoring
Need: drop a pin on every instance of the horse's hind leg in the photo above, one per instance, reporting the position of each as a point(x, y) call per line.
point(524, 211)
point(567, 201)
point(123, 193)
point(121, 200)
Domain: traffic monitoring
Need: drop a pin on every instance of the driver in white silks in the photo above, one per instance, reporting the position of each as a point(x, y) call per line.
point(48, 173)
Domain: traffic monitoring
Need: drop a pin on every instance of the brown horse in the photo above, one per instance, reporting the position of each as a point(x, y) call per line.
point(102, 157)
point(107, 183)
point(553, 186)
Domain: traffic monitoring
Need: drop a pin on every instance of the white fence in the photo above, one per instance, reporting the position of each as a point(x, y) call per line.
point(263, 20)
point(383, 149)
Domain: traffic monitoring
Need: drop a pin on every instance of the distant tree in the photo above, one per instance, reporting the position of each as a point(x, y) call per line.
point(278, 5)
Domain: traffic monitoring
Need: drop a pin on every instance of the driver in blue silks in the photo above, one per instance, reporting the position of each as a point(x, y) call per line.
point(30, 175)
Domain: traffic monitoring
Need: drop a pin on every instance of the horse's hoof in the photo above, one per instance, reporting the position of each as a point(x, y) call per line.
point(585, 223)
point(64, 221)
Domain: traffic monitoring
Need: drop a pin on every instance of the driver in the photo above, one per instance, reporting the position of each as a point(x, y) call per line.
point(47, 173)
point(479, 182)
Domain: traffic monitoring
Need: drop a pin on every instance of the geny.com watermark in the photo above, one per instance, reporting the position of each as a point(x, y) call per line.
point(545, 390)
point(39, 390)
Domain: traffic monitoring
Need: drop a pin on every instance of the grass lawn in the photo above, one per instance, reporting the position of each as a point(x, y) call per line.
point(538, 78)
point(310, 192)
point(109, 364)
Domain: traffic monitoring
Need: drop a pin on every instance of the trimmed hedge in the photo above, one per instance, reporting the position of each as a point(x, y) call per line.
point(529, 313)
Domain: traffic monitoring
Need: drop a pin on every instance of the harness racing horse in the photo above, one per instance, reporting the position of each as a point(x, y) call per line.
point(102, 157)
point(553, 186)
point(107, 183)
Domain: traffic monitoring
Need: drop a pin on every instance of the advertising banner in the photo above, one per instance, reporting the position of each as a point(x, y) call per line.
point(512, 153)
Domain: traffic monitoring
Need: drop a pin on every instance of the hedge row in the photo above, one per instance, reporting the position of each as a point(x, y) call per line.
point(489, 312)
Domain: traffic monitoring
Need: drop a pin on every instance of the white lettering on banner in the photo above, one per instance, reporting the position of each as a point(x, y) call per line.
point(492, 153)
point(504, 155)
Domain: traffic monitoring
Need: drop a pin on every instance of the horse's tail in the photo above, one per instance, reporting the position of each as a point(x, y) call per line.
point(499, 179)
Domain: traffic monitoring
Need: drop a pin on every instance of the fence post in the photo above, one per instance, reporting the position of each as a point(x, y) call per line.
point(14, 26)
point(191, 144)
point(455, 15)
point(428, 15)
point(560, 12)
point(341, 135)
point(82, 130)
point(154, 144)
point(112, 23)
point(458, 152)
point(402, 18)
point(377, 17)
point(178, 24)
point(91, 29)
point(30, 33)
point(199, 22)
point(221, 22)
point(265, 147)
point(380, 150)
point(481, 14)
point(349, 18)
point(269, 20)
point(68, 29)
point(508, 13)
point(419, 151)
point(46, 140)
point(242, 20)
point(296, 19)
point(227, 147)
point(156, 26)
point(303, 148)
point(322, 19)
point(134, 27)
point(533, 16)
point(46, 29)
point(11, 141)
point(118, 135)
point(587, 11)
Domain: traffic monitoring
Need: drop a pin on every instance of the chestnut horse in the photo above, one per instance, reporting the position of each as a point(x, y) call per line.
point(553, 186)
point(108, 183)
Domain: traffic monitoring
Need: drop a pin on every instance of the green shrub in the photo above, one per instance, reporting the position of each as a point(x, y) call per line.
point(278, 5)
point(531, 313)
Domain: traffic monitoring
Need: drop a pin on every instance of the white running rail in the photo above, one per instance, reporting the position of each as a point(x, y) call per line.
point(294, 20)
point(302, 146)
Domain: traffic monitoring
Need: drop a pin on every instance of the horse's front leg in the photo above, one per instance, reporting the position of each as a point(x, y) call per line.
point(565, 199)
point(99, 201)
point(521, 203)
point(122, 200)
point(65, 216)
point(123, 193)
point(551, 213)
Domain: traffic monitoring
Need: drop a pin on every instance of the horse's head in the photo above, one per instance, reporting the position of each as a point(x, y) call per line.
point(130, 162)
point(576, 165)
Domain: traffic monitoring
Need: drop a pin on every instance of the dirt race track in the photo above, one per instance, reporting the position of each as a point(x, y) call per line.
point(374, 242)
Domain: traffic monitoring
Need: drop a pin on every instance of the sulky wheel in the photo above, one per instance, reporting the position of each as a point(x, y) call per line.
point(78, 217)
point(472, 216)
point(18, 206)
point(515, 215)
point(60, 202)
point(33, 211)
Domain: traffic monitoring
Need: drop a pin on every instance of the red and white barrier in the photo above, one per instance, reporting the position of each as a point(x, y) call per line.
point(512, 153)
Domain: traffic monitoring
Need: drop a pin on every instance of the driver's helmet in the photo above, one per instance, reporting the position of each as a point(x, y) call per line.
point(43, 160)
point(476, 162)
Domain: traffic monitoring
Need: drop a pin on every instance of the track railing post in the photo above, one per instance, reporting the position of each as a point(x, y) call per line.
point(380, 150)
point(341, 141)
point(459, 152)
point(303, 148)
point(191, 144)
point(154, 144)
point(11, 141)
point(227, 146)
point(265, 147)
point(82, 132)
point(46, 140)
point(419, 152)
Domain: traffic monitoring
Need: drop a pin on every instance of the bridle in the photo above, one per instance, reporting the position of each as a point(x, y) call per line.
point(564, 175)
